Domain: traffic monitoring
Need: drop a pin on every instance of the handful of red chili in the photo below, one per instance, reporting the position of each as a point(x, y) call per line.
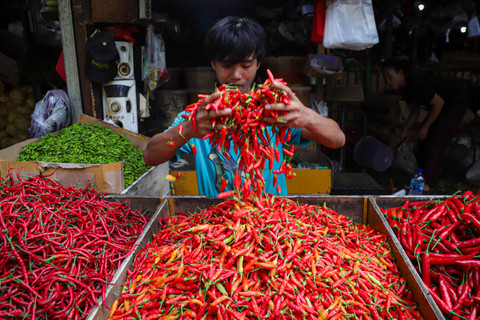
point(60, 247)
point(272, 258)
point(442, 238)
point(250, 139)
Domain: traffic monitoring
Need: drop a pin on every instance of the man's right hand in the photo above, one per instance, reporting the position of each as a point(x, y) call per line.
point(204, 117)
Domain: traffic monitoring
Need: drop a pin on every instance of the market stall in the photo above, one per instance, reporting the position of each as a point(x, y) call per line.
point(89, 231)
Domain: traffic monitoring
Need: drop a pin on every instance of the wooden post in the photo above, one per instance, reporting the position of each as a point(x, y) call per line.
point(70, 57)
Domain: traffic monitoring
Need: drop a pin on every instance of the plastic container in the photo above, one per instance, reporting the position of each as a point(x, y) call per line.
point(417, 183)
point(376, 154)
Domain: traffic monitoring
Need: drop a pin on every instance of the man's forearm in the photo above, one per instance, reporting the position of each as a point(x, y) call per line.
point(163, 146)
point(324, 130)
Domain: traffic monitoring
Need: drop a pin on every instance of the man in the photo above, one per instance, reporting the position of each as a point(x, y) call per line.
point(236, 48)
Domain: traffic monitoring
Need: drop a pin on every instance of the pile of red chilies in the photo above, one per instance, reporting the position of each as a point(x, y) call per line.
point(274, 258)
point(60, 247)
point(246, 128)
point(442, 238)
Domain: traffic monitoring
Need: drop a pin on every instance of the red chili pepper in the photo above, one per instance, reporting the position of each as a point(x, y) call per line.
point(270, 76)
point(462, 298)
point(473, 315)
point(225, 194)
point(194, 148)
point(426, 215)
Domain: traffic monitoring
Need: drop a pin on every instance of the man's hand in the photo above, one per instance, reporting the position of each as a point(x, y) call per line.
point(203, 119)
point(315, 127)
point(297, 114)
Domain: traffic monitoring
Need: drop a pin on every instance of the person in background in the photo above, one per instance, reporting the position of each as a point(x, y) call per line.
point(446, 103)
point(235, 47)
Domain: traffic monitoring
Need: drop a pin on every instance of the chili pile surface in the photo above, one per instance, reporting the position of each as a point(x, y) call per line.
point(273, 259)
point(60, 247)
point(442, 238)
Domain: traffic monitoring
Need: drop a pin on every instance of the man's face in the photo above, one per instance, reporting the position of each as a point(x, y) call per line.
point(395, 80)
point(240, 74)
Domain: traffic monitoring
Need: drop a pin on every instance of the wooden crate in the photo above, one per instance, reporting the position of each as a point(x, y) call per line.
point(425, 303)
point(159, 209)
point(360, 209)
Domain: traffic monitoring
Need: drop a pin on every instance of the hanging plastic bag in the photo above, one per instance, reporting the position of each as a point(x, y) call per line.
point(155, 66)
point(51, 114)
point(350, 24)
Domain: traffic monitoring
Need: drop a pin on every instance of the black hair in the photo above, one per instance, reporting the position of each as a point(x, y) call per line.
point(234, 39)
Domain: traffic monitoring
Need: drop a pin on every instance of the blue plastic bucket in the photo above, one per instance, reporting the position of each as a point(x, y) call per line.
point(378, 155)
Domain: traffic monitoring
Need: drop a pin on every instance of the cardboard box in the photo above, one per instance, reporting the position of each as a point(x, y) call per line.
point(314, 180)
point(105, 178)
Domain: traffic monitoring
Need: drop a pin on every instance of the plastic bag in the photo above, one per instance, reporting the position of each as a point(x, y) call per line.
point(405, 158)
point(155, 67)
point(350, 24)
point(51, 114)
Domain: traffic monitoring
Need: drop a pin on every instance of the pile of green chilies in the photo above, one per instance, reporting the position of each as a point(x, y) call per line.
point(87, 144)
point(60, 247)
point(272, 258)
